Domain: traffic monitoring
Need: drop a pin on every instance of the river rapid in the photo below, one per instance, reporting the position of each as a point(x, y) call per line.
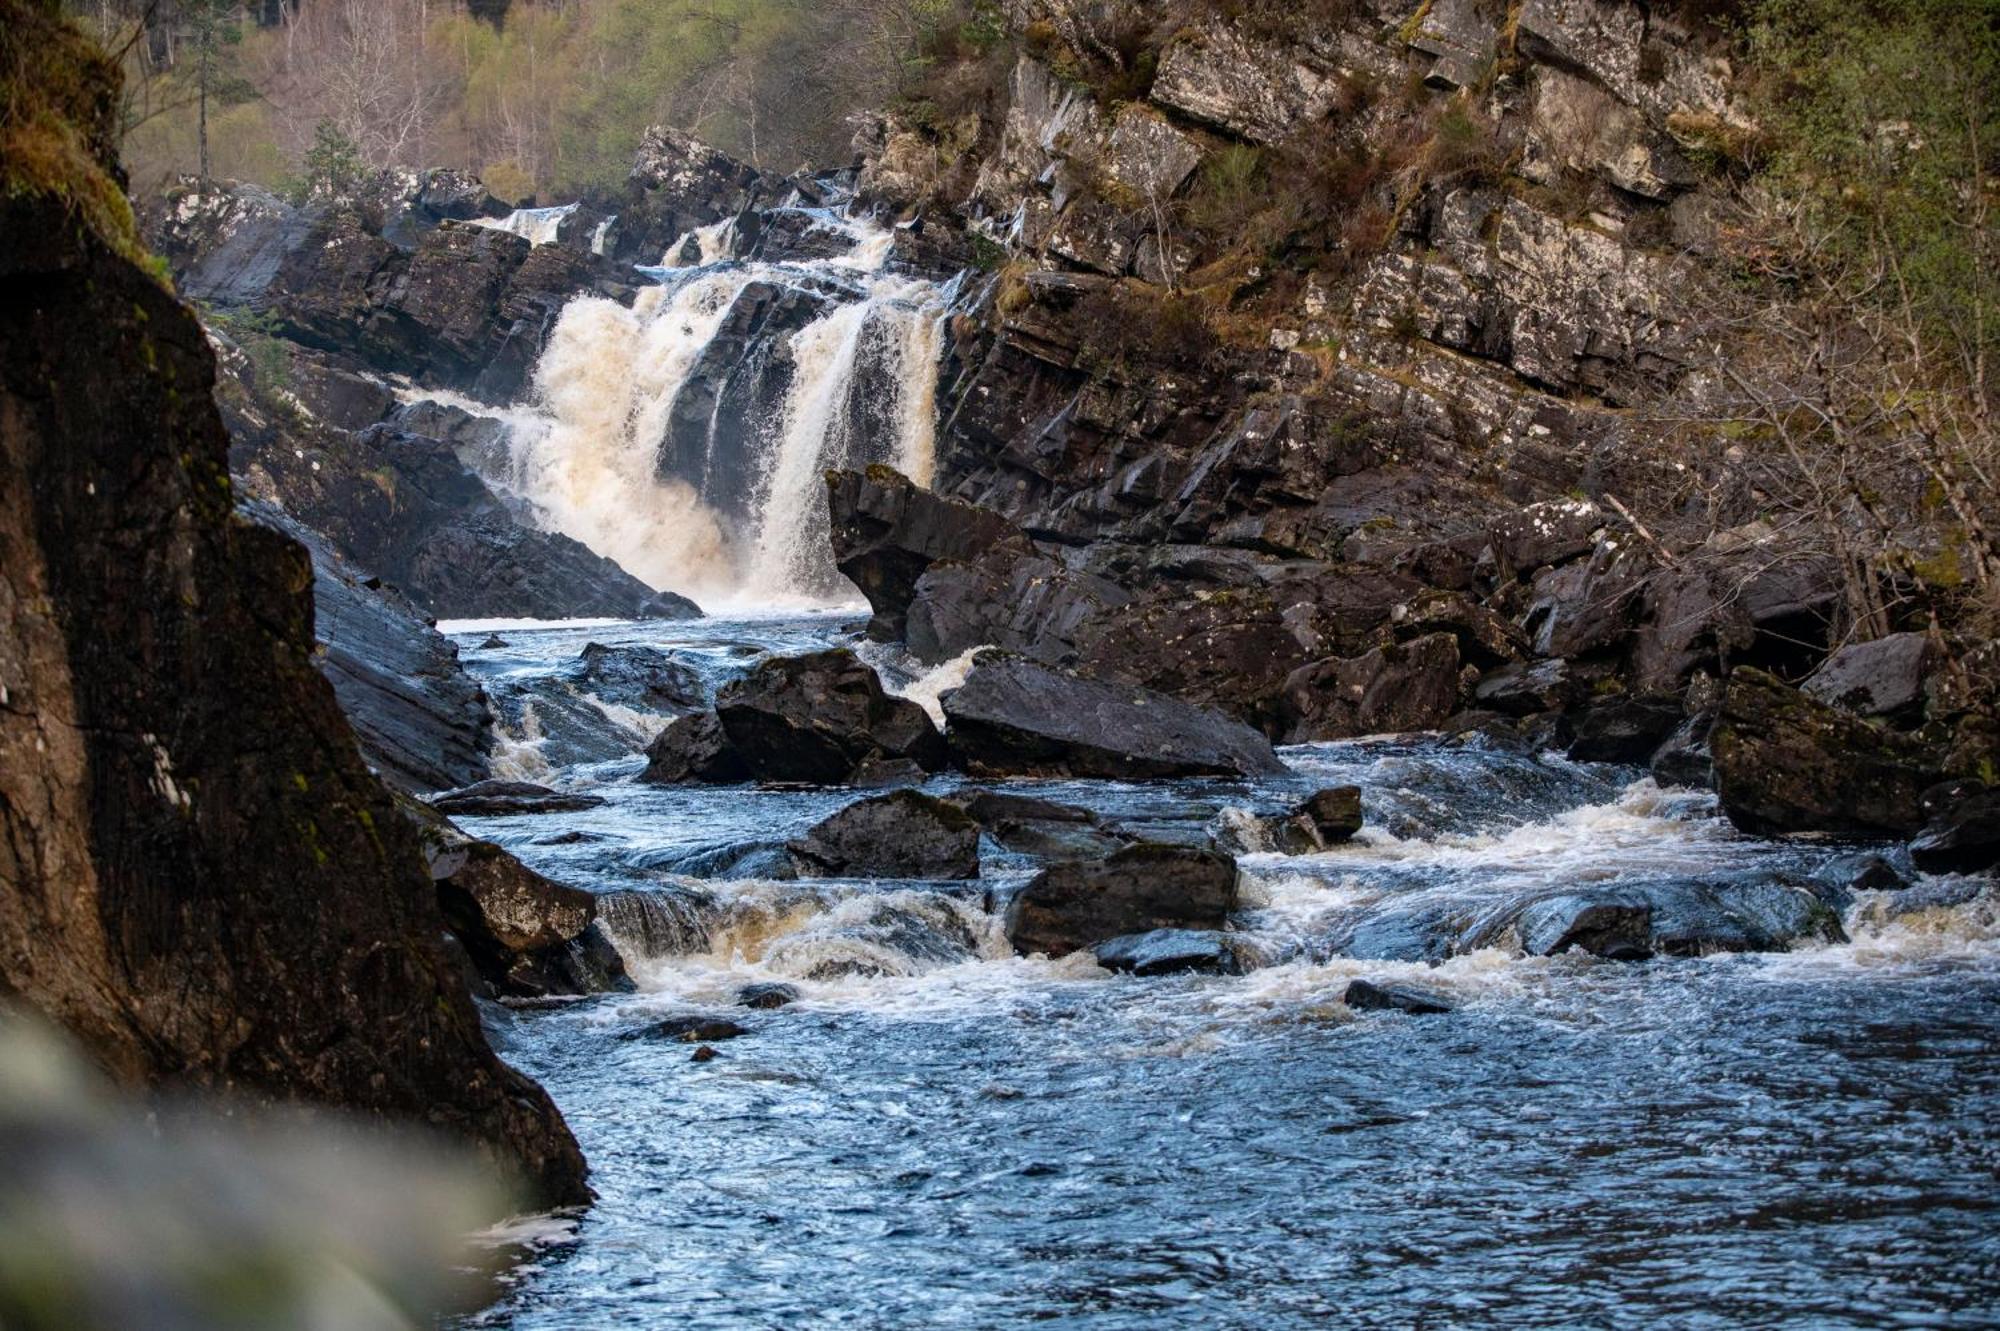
point(940, 1134)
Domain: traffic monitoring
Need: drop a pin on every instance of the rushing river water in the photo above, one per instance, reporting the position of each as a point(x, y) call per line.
point(940, 1134)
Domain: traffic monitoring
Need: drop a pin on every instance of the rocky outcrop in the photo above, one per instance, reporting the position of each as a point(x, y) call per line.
point(1170, 952)
point(694, 748)
point(887, 533)
point(204, 885)
point(904, 834)
point(1407, 686)
point(1016, 717)
point(1135, 891)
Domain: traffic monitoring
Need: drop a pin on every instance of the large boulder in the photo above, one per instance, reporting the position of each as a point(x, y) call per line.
point(694, 748)
point(1017, 717)
point(1404, 686)
point(904, 834)
point(526, 936)
point(1963, 831)
point(1881, 678)
point(1785, 762)
point(822, 719)
point(1137, 890)
point(887, 532)
point(1626, 730)
point(1042, 828)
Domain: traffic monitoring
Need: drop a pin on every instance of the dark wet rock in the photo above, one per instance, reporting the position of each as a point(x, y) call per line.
point(819, 718)
point(1882, 678)
point(1401, 687)
point(904, 834)
point(1586, 606)
point(1943, 894)
point(496, 798)
point(1016, 717)
point(897, 937)
point(704, 1054)
point(1135, 890)
point(1368, 996)
point(1526, 687)
point(1015, 597)
point(527, 936)
point(692, 1028)
point(422, 722)
point(1963, 832)
point(1613, 925)
point(643, 678)
point(1545, 533)
point(1326, 818)
point(492, 643)
point(1683, 758)
point(694, 748)
point(1785, 762)
point(767, 995)
point(1170, 952)
point(205, 886)
point(1625, 730)
point(1756, 914)
point(1043, 828)
point(1860, 873)
point(887, 533)
point(1330, 816)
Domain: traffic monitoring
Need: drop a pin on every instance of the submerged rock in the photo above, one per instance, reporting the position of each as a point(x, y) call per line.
point(904, 834)
point(1170, 952)
point(1138, 889)
point(643, 678)
point(692, 1028)
point(498, 798)
point(1615, 926)
point(1368, 996)
point(767, 995)
point(819, 718)
point(1785, 762)
point(1016, 717)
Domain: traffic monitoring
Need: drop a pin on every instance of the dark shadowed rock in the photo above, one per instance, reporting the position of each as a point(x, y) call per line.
point(643, 678)
point(1170, 952)
point(422, 722)
point(1333, 814)
point(887, 532)
point(1785, 762)
point(1405, 686)
point(1136, 890)
point(904, 834)
point(1013, 716)
point(497, 798)
point(1963, 831)
point(694, 748)
point(1627, 730)
point(1882, 678)
point(1683, 758)
point(1544, 533)
point(818, 718)
point(205, 885)
point(1368, 996)
point(767, 996)
point(1039, 827)
point(527, 936)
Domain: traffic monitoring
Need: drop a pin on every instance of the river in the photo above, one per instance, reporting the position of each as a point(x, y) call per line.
point(940, 1134)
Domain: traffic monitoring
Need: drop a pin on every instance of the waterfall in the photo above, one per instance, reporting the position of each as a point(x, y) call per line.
point(537, 226)
point(686, 436)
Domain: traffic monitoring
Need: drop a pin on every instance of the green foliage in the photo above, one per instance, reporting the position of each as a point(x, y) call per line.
point(333, 165)
point(1883, 124)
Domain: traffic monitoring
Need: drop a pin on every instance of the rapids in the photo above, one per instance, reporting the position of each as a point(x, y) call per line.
point(941, 1134)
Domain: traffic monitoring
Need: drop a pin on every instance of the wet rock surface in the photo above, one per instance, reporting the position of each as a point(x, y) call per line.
point(1369, 996)
point(820, 718)
point(499, 798)
point(905, 834)
point(1170, 952)
point(1013, 716)
point(1135, 890)
point(887, 533)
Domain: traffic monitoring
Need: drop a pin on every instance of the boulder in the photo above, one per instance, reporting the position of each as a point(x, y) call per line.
point(499, 799)
point(1170, 952)
point(1683, 758)
point(645, 679)
point(1615, 926)
point(1039, 827)
point(694, 748)
point(904, 834)
point(1135, 890)
point(1882, 678)
point(887, 532)
point(691, 1028)
point(1963, 831)
point(1016, 717)
point(1330, 816)
point(1541, 534)
point(1405, 686)
point(1368, 996)
point(821, 717)
point(767, 995)
point(1625, 730)
point(1237, 82)
point(527, 936)
point(1785, 762)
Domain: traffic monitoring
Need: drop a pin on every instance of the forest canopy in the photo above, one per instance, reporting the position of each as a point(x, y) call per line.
point(540, 97)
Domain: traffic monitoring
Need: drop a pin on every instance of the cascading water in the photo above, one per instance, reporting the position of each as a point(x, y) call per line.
point(685, 436)
point(537, 226)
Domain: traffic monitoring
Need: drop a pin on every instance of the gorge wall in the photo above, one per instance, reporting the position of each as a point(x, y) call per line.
point(203, 883)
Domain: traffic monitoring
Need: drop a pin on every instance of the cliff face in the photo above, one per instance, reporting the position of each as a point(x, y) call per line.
point(202, 881)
